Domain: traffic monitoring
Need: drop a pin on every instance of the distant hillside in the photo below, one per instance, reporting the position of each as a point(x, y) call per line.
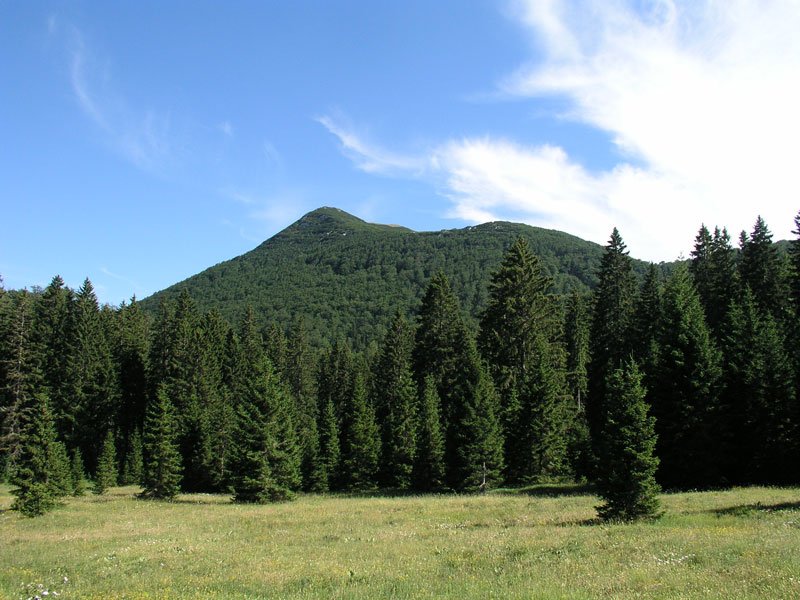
point(347, 277)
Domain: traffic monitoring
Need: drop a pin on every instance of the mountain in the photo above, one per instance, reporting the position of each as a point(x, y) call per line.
point(347, 277)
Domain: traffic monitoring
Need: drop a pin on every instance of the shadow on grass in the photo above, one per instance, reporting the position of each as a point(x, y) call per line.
point(747, 510)
point(550, 490)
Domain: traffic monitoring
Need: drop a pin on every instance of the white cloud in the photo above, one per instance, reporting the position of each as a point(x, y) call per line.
point(700, 99)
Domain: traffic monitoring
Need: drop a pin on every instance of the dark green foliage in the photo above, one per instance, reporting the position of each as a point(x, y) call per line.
point(759, 398)
point(576, 335)
point(395, 405)
point(521, 338)
point(94, 387)
point(133, 467)
point(77, 474)
point(348, 278)
point(428, 471)
point(106, 474)
point(684, 395)
point(762, 270)
point(300, 368)
point(60, 478)
point(626, 447)
point(612, 326)
point(31, 475)
point(162, 462)
point(265, 465)
point(329, 453)
point(360, 440)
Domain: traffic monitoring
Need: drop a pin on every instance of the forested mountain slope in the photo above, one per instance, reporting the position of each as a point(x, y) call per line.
point(347, 277)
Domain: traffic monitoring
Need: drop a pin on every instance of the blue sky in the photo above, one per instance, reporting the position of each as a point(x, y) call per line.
point(143, 142)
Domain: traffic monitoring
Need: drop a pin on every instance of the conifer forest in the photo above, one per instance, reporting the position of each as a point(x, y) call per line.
point(677, 378)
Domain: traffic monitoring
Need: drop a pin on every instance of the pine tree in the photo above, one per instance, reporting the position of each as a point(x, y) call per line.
point(106, 473)
point(759, 398)
point(647, 319)
point(793, 330)
point(162, 462)
point(360, 440)
point(521, 338)
point(576, 334)
point(94, 393)
point(762, 270)
point(612, 325)
point(60, 478)
point(395, 405)
point(265, 466)
point(133, 468)
point(428, 472)
point(627, 448)
point(78, 474)
point(329, 452)
point(685, 390)
point(300, 368)
point(31, 472)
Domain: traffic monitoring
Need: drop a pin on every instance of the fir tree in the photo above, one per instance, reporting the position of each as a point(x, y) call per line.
point(759, 398)
point(329, 453)
point(762, 271)
point(106, 473)
point(520, 337)
point(627, 447)
point(300, 368)
point(162, 462)
point(60, 478)
point(360, 440)
point(685, 390)
point(395, 405)
point(612, 325)
point(133, 468)
point(428, 472)
point(31, 475)
point(77, 473)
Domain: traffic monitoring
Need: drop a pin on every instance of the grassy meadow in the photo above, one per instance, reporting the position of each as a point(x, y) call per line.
point(537, 543)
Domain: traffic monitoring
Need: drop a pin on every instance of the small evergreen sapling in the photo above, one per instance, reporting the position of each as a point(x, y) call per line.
point(626, 450)
point(106, 475)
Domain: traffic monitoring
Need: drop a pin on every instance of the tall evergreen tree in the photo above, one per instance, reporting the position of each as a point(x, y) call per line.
point(31, 471)
point(360, 440)
point(759, 398)
point(611, 341)
point(92, 376)
point(329, 451)
point(428, 472)
point(762, 270)
point(395, 405)
point(627, 448)
point(162, 462)
point(106, 473)
point(300, 369)
point(133, 467)
point(521, 338)
point(685, 390)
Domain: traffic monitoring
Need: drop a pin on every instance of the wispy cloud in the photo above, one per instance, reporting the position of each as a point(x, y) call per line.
point(122, 278)
point(368, 156)
point(699, 98)
point(142, 136)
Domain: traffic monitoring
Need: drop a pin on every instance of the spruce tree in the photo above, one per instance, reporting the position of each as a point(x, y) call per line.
point(626, 447)
point(360, 440)
point(521, 338)
point(759, 398)
point(133, 467)
point(106, 474)
point(395, 405)
point(761, 269)
point(77, 473)
point(60, 478)
point(162, 462)
point(428, 472)
point(612, 327)
point(329, 452)
point(685, 390)
point(31, 474)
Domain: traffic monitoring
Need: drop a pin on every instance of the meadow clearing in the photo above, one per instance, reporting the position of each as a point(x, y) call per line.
point(542, 542)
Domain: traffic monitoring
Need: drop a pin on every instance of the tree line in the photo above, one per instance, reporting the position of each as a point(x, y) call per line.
point(684, 382)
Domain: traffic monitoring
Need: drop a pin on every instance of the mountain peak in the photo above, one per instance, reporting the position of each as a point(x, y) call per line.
point(327, 222)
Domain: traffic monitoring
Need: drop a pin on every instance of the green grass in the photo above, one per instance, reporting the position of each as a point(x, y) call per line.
point(537, 543)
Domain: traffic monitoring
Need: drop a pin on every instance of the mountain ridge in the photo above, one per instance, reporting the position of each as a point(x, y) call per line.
point(347, 277)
